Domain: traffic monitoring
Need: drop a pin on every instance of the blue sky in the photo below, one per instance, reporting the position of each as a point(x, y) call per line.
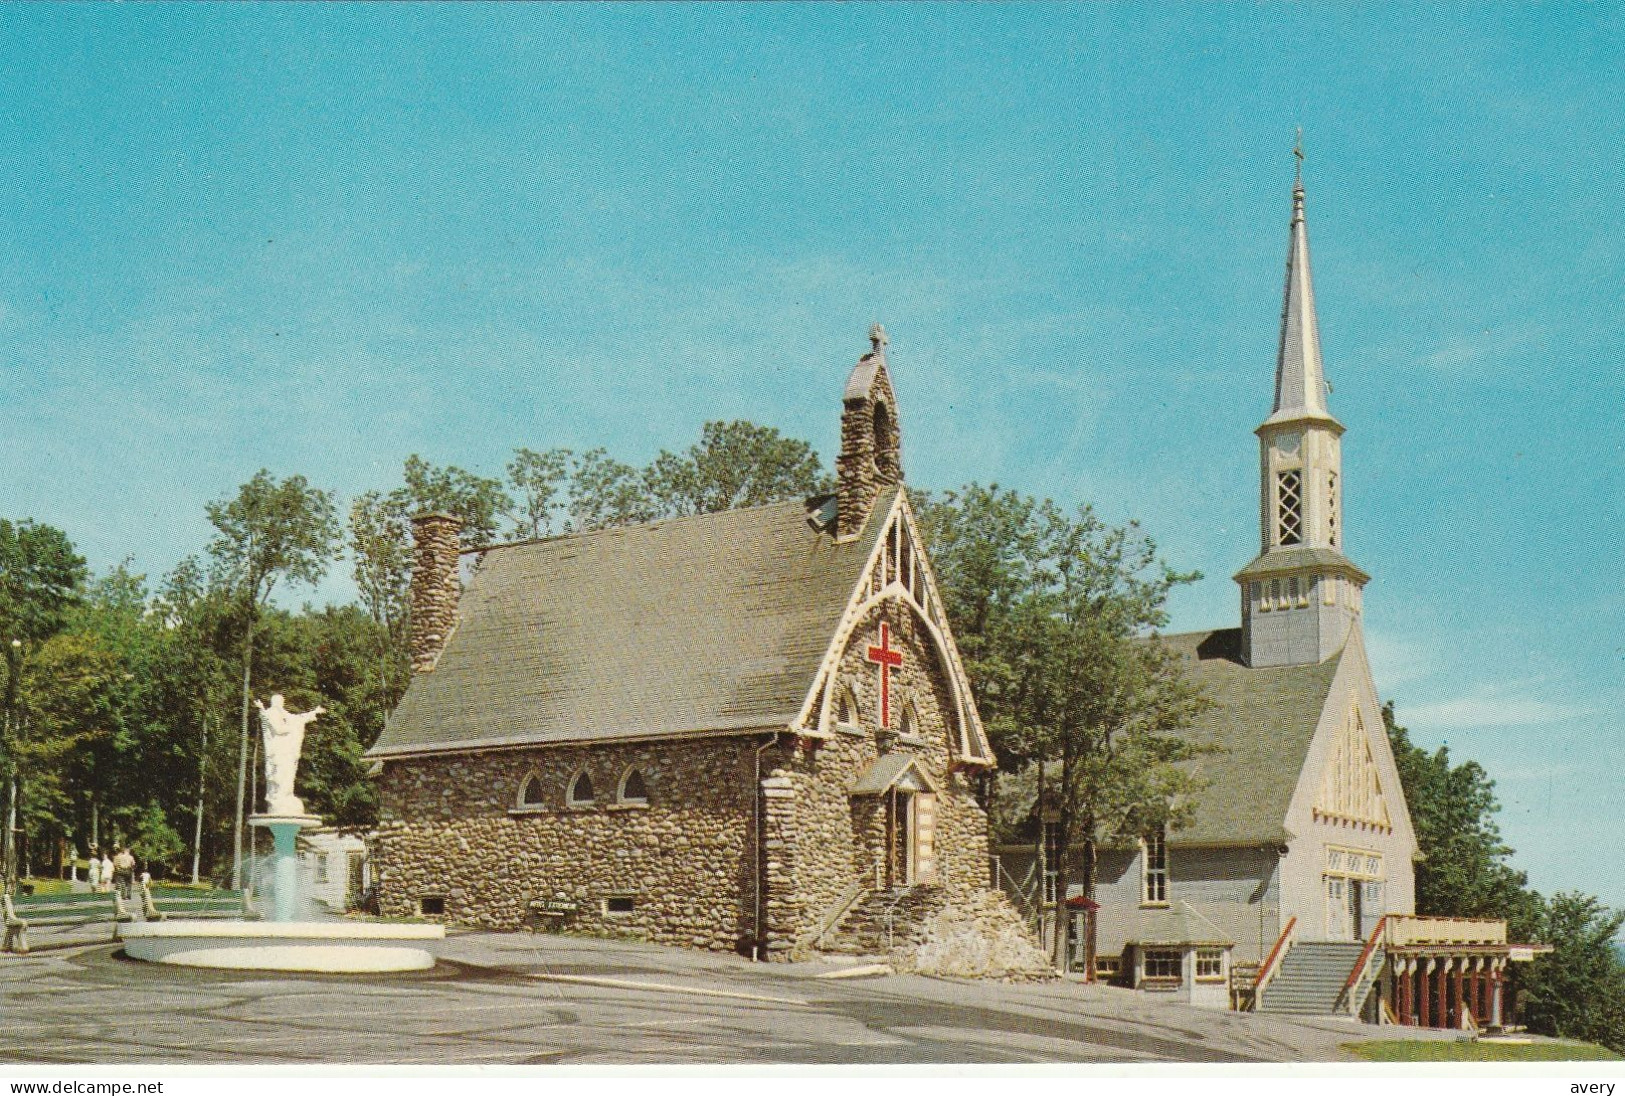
point(320, 238)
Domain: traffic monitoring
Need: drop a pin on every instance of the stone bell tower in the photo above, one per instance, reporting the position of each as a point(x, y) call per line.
point(1302, 595)
point(871, 458)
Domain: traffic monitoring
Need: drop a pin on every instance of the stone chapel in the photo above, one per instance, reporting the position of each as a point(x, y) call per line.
point(727, 731)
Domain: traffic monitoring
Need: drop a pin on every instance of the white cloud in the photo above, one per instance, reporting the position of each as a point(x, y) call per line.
point(1497, 704)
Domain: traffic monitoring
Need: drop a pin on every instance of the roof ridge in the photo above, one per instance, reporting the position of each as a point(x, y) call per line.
point(679, 519)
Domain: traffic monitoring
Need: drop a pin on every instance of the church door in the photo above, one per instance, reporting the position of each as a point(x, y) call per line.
point(1337, 907)
point(1356, 890)
point(900, 856)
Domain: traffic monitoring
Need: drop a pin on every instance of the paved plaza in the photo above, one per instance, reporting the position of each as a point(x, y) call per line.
point(521, 999)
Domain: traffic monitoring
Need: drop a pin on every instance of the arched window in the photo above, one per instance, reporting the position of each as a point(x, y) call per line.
point(633, 789)
point(581, 794)
point(530, 791)
point(846, 707)
point(910, 721)
point(882, 436)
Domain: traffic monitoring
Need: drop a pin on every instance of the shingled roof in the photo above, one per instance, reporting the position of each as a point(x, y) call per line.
point(1261, 724)
point(690, 626)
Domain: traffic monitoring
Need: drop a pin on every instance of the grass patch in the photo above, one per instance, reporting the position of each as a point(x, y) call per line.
point(45, 886)
point(1465, 1050)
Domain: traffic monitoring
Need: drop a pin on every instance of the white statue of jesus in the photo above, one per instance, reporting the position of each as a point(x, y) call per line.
point(284, 734)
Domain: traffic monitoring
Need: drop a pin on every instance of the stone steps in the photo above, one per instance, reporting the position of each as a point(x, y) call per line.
point(882, 920)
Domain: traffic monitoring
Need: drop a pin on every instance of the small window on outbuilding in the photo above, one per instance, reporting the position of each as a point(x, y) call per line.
point(581, 793)
point(530, 792)
point(619, 903)
point(432, 905)
point(1209, 964)
point(633, 789)
point(1164, 963)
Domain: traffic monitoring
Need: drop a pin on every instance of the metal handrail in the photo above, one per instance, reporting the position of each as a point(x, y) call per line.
point(1004, 881)
point(1266, 972)
point(1359, 970)
point(836, 910)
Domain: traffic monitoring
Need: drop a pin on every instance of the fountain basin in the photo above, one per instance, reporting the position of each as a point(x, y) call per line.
point(330, 947)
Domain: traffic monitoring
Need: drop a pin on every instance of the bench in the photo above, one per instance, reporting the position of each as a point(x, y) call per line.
point(194, 903)
point(27, 910)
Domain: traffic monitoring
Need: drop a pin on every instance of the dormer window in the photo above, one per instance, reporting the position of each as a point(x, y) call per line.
point(581, 793)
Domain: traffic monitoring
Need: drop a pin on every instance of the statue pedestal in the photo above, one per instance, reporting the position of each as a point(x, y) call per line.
point(285, 857)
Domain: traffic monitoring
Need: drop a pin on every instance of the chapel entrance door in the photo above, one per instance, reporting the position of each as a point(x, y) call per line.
point(903, 858)
point(1356, 891)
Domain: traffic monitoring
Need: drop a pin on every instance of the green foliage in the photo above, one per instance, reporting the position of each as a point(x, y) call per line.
point(477, 500)
point(271, 531)
point(734, 464)
point(1054, 615)
point(1472, 1050)
point(1578, 991)
point(40, 578)
point(537, 480)
point(1464, 872)
point(605, 492)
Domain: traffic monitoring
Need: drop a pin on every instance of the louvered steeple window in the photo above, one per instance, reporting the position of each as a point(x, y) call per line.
point(1332, 531)
point(1289, 508)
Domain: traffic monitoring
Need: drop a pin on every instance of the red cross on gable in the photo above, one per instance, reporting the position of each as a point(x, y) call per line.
point(888, 660)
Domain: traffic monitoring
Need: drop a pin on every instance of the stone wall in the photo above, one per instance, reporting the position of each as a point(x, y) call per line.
point(452, 829)
point(841, 838)
point(436, 586)
point(870, 458)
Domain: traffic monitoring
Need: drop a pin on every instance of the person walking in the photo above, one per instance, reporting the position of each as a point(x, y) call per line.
point(107, 872)
point(95, 876)
point(124, 872)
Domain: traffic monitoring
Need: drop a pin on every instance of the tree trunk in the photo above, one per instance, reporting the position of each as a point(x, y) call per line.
point(1063, 917)
point(242, 759)
point(202, 787)
point(1092, 938)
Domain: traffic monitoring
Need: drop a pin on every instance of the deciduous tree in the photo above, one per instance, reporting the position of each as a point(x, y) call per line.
point(1057, 616)
point(269, 532)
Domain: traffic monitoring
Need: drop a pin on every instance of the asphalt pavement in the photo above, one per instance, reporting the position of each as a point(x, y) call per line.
point(523, 999)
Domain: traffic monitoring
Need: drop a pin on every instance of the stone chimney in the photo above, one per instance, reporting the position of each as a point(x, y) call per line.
point(436, 586)
point(871, 458)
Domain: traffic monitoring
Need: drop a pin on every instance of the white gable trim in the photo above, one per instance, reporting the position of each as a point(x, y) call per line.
point(1352, 684)
point(815, 708)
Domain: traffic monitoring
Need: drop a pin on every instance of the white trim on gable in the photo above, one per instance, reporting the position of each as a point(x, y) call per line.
point(971, 746)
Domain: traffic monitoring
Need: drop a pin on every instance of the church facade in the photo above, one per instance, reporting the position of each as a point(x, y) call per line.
point(721, 731)
point(1301, 824)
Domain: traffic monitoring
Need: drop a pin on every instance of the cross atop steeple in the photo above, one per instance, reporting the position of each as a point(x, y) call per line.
point(877, 338)
point(1301, 596)
point(1300, 378)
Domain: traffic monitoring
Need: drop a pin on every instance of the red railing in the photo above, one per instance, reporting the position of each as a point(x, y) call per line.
point(1365, 957)
point(1267, 971)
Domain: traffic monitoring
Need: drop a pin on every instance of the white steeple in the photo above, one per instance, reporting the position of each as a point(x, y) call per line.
point(1300, 378)
point(1302, 594)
